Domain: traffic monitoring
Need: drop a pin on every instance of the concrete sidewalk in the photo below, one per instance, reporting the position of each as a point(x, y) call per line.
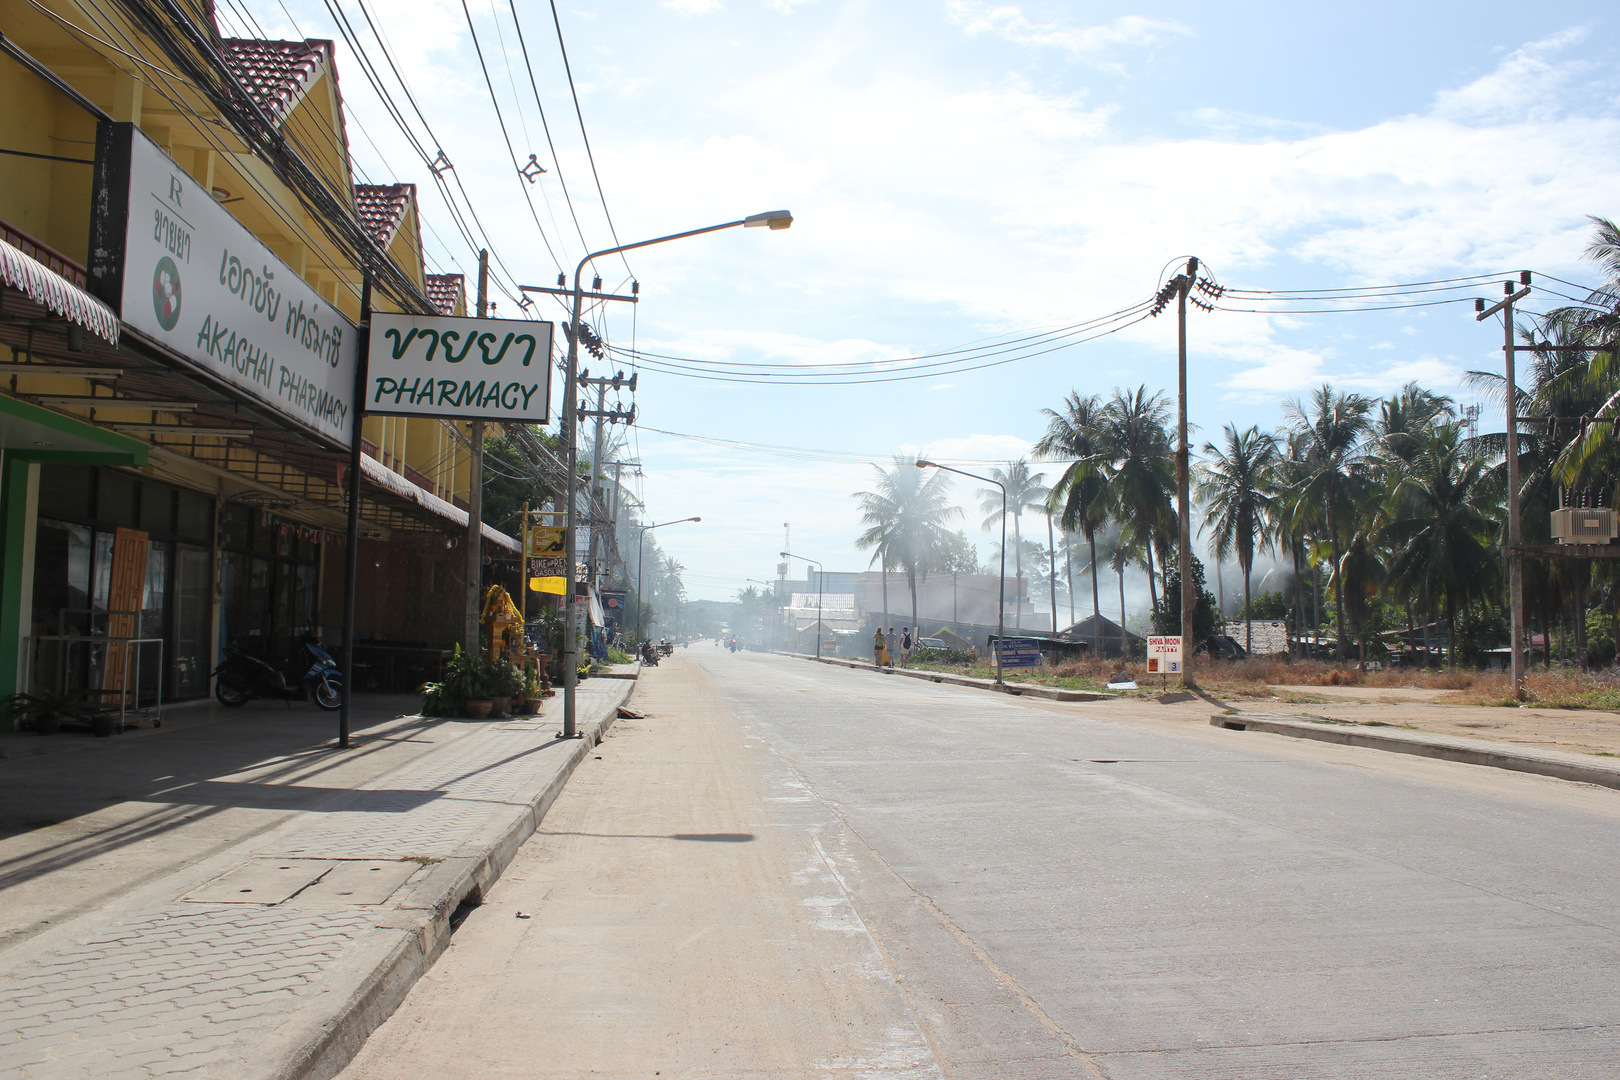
point(1581, 768)
point(232, 897)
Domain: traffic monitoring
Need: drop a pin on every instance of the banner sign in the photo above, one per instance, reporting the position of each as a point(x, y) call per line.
point(1164, 655)
point(459, 369)
point(545, 551)
point(181, 270)
point(1019, 652)
point(546, 541)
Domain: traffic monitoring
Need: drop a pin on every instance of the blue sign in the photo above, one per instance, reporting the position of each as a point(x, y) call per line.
point(1019, 652)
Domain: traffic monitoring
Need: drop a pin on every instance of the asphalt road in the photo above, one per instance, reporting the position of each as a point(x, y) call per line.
point(1044, 890)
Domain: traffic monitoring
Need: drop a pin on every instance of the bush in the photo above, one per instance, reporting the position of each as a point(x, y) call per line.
point(943, 656)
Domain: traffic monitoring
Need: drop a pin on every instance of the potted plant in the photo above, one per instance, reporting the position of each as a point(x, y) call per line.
point(44, 712)
point(467, 679)
point(504, 682)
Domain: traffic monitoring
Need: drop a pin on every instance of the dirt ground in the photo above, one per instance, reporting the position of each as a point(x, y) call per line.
point(1587, 731)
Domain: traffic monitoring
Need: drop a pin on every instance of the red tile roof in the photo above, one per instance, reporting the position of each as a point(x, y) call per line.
point(277, 73)
point(382, 209)
point(445, 290)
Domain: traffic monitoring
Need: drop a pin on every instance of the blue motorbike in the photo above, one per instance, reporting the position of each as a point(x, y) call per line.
point(312, 676)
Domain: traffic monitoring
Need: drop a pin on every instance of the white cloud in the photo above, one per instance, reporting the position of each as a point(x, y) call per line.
point(1528, 84)
point(1009, 22)
point(692, 7)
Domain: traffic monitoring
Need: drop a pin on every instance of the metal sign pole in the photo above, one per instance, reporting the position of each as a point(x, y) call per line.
point(351, 551)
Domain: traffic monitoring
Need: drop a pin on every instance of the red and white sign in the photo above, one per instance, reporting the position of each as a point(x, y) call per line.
point(1164, 655)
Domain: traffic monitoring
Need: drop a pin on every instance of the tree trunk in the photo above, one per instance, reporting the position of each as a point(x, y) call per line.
point(916, 630)
point(1338, 598)
point(1248, 616)
point(1153, 591)
point(1096, 608)
point(1051, 566)
point(1450, 629)
point(885, 620)
point(1299, 597)
point(1018, 572)
point(1068, 565)
point(1123, 639)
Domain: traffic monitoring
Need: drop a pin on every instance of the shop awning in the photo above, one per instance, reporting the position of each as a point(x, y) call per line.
point(35, 434)
point(389, 480)
point(51, 290)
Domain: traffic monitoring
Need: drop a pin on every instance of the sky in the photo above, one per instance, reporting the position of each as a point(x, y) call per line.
point(963, 173)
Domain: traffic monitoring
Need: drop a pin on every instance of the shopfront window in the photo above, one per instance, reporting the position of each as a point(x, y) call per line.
point(270, 574)
point(80, 510)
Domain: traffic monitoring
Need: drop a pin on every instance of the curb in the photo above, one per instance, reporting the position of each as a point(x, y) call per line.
point(1050, 693)
point(1444, 747)
point(463, 879)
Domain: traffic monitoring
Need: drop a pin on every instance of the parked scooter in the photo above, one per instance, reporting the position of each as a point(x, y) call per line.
point(312, 675)
point(649, 654)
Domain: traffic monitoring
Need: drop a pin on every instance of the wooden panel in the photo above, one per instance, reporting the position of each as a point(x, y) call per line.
point(124, 594)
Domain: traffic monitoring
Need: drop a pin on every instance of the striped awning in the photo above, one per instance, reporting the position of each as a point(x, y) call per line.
point(49, 289)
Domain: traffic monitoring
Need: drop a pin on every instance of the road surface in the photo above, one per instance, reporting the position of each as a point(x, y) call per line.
point(795, 870)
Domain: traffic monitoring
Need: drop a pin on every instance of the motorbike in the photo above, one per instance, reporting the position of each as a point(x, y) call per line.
point(649, 654)
point(311, 675)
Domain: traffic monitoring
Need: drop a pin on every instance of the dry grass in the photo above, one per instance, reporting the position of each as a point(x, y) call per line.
point(1261, 678)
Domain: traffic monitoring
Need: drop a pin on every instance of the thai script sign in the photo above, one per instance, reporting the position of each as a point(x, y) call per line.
point(1164, 655)
point(459, 369)
point(187, 275)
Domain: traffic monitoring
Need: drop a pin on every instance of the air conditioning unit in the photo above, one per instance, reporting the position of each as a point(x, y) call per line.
point(1595, 525)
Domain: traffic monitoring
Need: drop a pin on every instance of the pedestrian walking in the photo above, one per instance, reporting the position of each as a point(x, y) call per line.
point(878, 651)
point(905, 646)
point(891, 645)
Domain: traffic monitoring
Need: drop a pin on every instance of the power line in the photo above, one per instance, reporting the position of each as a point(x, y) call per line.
point(590, 156)
point(500, 119)
point(556, 162)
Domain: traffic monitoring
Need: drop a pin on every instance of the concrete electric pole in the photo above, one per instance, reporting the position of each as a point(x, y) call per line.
point(475, 495)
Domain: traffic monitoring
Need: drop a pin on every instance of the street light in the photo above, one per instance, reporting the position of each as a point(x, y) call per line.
point(773, 219)
point(639, 541)
point(821, 582)
point(1001, 589)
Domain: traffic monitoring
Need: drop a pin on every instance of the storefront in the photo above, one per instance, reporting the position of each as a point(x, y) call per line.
point(79, 512)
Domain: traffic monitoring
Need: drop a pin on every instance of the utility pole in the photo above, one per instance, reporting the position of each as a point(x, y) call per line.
point(614, 416)
point(475, 495)
point(1515, 559)
point(1189, 594)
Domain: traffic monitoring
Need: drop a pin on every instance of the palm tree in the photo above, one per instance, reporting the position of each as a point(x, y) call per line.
point(1121, 549)
point(1024, 492)
point(1141, 473)
point(1237, 485)
point(1081, 493)
point(906, 516)
point(1332, 431)
point(1443, 525)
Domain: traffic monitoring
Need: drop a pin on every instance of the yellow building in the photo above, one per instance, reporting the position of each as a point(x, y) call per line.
point(214, 454)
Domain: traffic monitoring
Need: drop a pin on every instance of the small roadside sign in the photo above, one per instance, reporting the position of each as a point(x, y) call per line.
point(1164, 655)
point(1019, 652)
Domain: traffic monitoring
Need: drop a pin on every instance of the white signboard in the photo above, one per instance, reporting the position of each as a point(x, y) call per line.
point(1164, 655)
point(196, 281)
point(459, 369)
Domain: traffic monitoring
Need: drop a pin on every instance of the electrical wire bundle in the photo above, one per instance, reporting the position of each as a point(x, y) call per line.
point(994, 353)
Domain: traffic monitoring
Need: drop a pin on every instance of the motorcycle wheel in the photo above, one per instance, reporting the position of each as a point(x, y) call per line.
point(232, 690)
point(328, 696)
